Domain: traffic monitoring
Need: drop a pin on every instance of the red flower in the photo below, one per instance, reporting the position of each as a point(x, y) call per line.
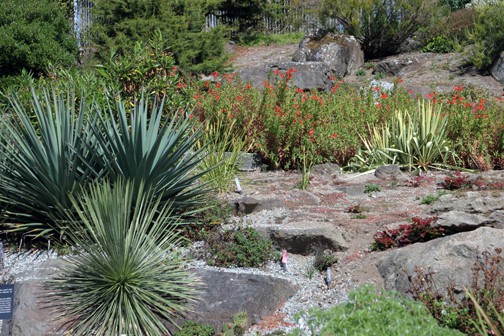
point(215, 74)
point(458, 88)
point(238, 98)
point(384, 96)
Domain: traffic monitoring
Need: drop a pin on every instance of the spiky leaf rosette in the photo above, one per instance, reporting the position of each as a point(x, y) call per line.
point(127, 278)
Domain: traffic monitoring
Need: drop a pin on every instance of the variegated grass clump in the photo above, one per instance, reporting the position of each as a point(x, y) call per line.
point(412, 140)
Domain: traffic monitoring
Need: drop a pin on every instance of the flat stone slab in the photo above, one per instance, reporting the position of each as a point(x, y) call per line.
point(227, 293)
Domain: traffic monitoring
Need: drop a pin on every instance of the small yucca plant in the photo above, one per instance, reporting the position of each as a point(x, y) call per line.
point(126, 278)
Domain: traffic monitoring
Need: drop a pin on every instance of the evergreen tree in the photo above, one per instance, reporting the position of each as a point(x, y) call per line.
point(118, 24)
point(33, 35)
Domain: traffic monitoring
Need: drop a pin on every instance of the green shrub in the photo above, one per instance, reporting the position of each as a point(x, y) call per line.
point(33, 35)
point(243, 247)
point(127, 277)
point(118, 25)
point(371, 188)
point(381, 26)
point(148, 67)
point(439, 44)
point(487, 34)
point(191, 328)
point(369, 312)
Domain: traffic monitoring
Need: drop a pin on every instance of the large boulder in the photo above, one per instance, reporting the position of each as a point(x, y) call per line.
point(228, 293)
point(497, 69)
point(450, 260)
point(33, 314)
point(465, 211)
point(342, 53)
point(307, 75)
point(395, 65)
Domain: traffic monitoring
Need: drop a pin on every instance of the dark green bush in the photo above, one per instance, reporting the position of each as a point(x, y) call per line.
point(381, 26)
point(487, 34)
point(34, 34)
point(118, 25)
point(370, 313)
point(191, 328)
point(243, 247)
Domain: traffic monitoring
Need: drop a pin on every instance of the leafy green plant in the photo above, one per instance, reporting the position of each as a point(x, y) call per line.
point(149, 67)
point(191, 328)
point(127, 277)
point(371, 312)
point(323, 260)
point(487, 34)
point(47, 155)
point(429, 199)
point(237, 327)
point(371, 188)
point(243, 247)
point(439, 44)
point(360, 72)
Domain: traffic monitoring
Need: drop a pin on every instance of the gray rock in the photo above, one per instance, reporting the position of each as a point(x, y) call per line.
point(308, 75)
point(326, 169)
point(450, 260)
point(228, 293)
point(33, 313)
point(342, 53)
point(459, 221)
point(388, 172)
point(305, 241)
point(248, 205)
point(250, 162)
point(465, 211)
point(394, 65)
point(497, 69)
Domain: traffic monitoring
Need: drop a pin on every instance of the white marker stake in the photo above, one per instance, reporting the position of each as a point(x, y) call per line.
point(238, 187)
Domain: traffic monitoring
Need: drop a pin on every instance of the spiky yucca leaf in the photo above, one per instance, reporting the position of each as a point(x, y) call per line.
point(150, 148)
point(47, 155)
point(127, 277)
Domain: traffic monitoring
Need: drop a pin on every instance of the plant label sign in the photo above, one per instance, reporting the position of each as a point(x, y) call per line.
point(6, 301)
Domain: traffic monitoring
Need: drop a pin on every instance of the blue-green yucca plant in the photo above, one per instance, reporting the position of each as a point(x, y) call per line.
point(47, 154)
point(156, 150)
point(127, 278)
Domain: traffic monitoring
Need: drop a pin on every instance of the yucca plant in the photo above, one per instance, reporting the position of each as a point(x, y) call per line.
point(48, 155)
point(149, 148)
point(127, 277)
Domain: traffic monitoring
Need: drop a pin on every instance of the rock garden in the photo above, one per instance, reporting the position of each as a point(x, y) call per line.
point(341, 184)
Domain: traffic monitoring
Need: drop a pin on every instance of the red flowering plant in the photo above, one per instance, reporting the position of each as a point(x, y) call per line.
point(420, 230)
point(475, 126)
